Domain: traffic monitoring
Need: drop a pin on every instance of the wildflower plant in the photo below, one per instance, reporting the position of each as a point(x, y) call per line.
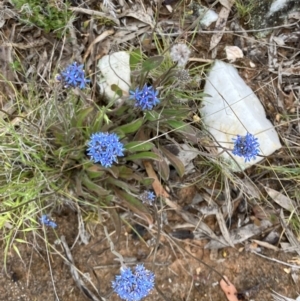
point(73, 76)
point(133, 286)
point(145, 98)
point(45, 220)
point(88, 150)
point(104, 148)
point(148, 197)
point(246, 146)
point(180, 53)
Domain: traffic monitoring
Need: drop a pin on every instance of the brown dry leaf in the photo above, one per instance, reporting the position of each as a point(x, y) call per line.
point(265, 245)
point(224, 229)
point(227, 3)
point(229, 290)
point(139, 14)
point(220, 27)
point(100, 38)
point(157, 187)
point(239, 235)
point(280, 199)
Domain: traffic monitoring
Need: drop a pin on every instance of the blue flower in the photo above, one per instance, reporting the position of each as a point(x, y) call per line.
point(133, 286)
point(148, 197)
point(104, 148)
point(45, 220)
point(145, 98)
point(246, 146)
point(73, 76)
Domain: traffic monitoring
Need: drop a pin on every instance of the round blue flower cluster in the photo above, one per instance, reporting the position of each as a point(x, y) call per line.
point(45, 220)
point(133, 286)
point(73, 76)
point(148, 197)
point(104, 148)
point(246, 146)
point(145, 98)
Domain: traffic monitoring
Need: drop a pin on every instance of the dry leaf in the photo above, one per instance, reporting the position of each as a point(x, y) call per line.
point(239, 235)
point(227, 3)
point(280, 199)
point(233, 53)
point(138, 14)
point(220, 27)
point(229, 289)
point(224, 229)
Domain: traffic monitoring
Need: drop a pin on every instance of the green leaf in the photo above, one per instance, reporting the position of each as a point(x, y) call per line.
point(152, 63)
point(178, 125)
point(143, 156)
point(130, 127)
point(94, 187)
point(117, 90)
point(95, 171)
point(177, 163)
point(178, 112)
point(138, 146)
point(147, 181)
point(135, 58)
point(125, 172)
point(80, 116)
point(152, 115)
point(121, 184)
point(135, 205)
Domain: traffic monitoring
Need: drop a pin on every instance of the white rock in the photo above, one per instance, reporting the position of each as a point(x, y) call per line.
point(115, 70)
point(208, 16)
point(233, 53)
point(233, 109)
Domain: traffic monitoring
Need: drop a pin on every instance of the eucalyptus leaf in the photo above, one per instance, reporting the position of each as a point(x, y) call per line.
point(143, 156)
point(137, 146)
point(152, 63)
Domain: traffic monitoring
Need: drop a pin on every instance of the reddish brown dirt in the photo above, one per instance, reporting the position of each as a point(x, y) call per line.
point(179, 276)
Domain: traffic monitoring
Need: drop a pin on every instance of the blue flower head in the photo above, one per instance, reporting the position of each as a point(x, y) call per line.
point(246, 146)
point(148, 197)
point(104, 148)
point(133, 286)
point(145, 98)
point(45, 220)
point(73, 76)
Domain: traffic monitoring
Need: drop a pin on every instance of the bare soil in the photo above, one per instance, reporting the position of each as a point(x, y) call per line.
point(178, 276)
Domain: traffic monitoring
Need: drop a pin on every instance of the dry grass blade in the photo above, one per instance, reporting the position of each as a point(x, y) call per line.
point(79, 282)
point(94, 13)
point(289, 233)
